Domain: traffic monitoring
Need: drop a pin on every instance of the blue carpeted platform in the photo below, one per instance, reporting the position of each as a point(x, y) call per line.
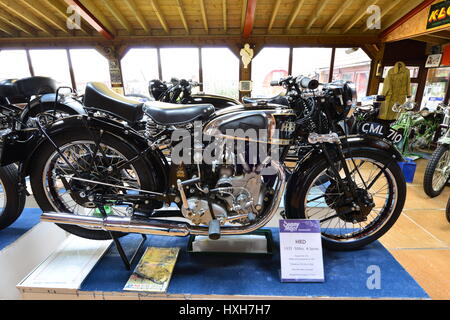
point(28, 219)
point(258, 275)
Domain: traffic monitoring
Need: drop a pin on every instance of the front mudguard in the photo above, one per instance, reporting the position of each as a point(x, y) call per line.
point(297, 178)
point(154, 158)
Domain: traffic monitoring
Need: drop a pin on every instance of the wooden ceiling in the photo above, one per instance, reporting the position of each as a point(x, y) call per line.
point(28, 20)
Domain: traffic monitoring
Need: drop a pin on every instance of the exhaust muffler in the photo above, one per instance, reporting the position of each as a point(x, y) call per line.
point(120, 224)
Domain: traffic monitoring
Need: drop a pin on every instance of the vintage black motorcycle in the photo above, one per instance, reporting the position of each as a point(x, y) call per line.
point(100, 177)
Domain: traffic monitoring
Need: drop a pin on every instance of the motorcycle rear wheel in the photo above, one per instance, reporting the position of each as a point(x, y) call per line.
point(341, 234)
point(434, 180)
point(52, 196)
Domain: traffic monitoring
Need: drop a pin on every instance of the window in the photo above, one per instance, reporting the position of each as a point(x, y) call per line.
point(89, 65)
point(180, 63)
point(220, 72)
point(13, 64)
point(139, 66)
point(270, 64)
point(52, 63)
point(312, 62)
point(351, 64)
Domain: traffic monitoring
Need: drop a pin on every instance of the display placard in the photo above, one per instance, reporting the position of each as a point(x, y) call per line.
point(301, 251)
point(439, 15)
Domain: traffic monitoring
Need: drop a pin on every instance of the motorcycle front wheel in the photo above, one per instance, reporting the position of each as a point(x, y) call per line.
point(437, 172)
point(379, 183)
point(12, 200)
point(56, 188)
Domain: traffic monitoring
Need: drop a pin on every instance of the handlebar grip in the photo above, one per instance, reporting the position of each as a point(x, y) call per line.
point(308, 83)
point(275, 83)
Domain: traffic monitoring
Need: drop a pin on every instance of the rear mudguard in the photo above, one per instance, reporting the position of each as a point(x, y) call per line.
point(297, 178)
point(46, 102)
point(154, 158)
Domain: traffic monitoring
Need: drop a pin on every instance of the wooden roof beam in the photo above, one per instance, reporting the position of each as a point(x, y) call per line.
point(138, 14)
point(62, 11)
point(182, 16)
point(25, 15)
point(16, 23)
point(45, 14)
point(160, 15)
point(384, 12)
point(118, 15)
point(358, 16)
point(249, 18)
point(93, 16)
point(204, 17)
point(276, 7)
point(224, 15)
point(294, 14)
point(320, 6)
point(337, 15)
point(433, 40)
point(6, 28)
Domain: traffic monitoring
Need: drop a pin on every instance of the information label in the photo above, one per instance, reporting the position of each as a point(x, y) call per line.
point(301, 251)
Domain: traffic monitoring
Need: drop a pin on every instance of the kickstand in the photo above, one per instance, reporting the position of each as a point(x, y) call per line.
point(127, 262)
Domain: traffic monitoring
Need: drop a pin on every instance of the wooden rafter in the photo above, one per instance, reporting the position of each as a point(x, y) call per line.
point(294, 14)
point(6, 17)
point(24, 14)
point(384, 12)
point(320, 6)
point(182, 16)
point(45, 14)
point(224, 15)
point(249, 18)
point(138, 14)
point(94, 17)
point(8, 29)
point(433, 40)
point(275, 9)
point(337, 15)
point(160, 15)
point(118, 15)
point(243, 13)
point(62, 11)
point(358, 16)
point(204, 17)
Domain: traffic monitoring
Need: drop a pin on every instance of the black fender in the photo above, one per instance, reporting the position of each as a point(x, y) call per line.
point(297, 178)
point(154, 158)
point(46, 102)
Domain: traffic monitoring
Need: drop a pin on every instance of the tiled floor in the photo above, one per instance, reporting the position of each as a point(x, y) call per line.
point(420, 240)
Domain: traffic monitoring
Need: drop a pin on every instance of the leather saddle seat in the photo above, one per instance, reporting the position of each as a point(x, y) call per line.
point(27, 87)
point(99, 96)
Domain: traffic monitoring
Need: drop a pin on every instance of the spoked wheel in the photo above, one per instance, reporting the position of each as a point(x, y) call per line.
point(69, 186)
point(437, 173)
point(12, 200)
point(447, 212)
point(349, 222)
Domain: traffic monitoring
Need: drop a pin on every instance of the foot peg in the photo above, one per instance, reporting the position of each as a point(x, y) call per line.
point(214, 230)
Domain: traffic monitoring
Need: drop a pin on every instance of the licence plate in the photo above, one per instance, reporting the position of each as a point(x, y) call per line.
point(377, 129)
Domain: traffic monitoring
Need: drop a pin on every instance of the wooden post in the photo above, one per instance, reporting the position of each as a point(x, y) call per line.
point(377, 54)
point(115, 69)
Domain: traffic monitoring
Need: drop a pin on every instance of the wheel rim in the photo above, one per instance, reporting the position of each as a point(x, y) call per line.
point(78, 155)
point(3, 198)
point(336, 229)
point(442, 172)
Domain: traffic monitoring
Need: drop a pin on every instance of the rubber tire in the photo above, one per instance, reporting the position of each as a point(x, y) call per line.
point(354, 245)
point(429, 172)
point(47, 150)
point(447, 211)
point(15, 200)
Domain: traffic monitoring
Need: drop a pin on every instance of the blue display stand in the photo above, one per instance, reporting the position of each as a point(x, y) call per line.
point(27, 220)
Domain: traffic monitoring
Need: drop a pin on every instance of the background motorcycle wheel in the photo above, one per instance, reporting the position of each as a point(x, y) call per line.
point(12, 200)
point(447, 212)
point(38, 176)
point(387, 217)
point(435, 190)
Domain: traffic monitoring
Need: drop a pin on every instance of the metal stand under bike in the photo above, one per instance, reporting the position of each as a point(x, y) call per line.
point(126, 261)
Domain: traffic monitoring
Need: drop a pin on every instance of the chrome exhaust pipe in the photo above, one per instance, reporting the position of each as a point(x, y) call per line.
point(120, 224)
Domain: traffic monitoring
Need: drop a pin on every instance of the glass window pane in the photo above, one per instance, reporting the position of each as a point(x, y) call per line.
point(139, 66)
point(435, 87)
point(13, 64)
point(181, 63)
point(270, 64)
point(353, 65)
point(220, 72)
point(89, 65)
point(312, 62)
point(51, 63)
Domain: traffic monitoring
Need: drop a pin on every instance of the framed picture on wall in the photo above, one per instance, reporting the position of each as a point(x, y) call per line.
point(433, 61)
